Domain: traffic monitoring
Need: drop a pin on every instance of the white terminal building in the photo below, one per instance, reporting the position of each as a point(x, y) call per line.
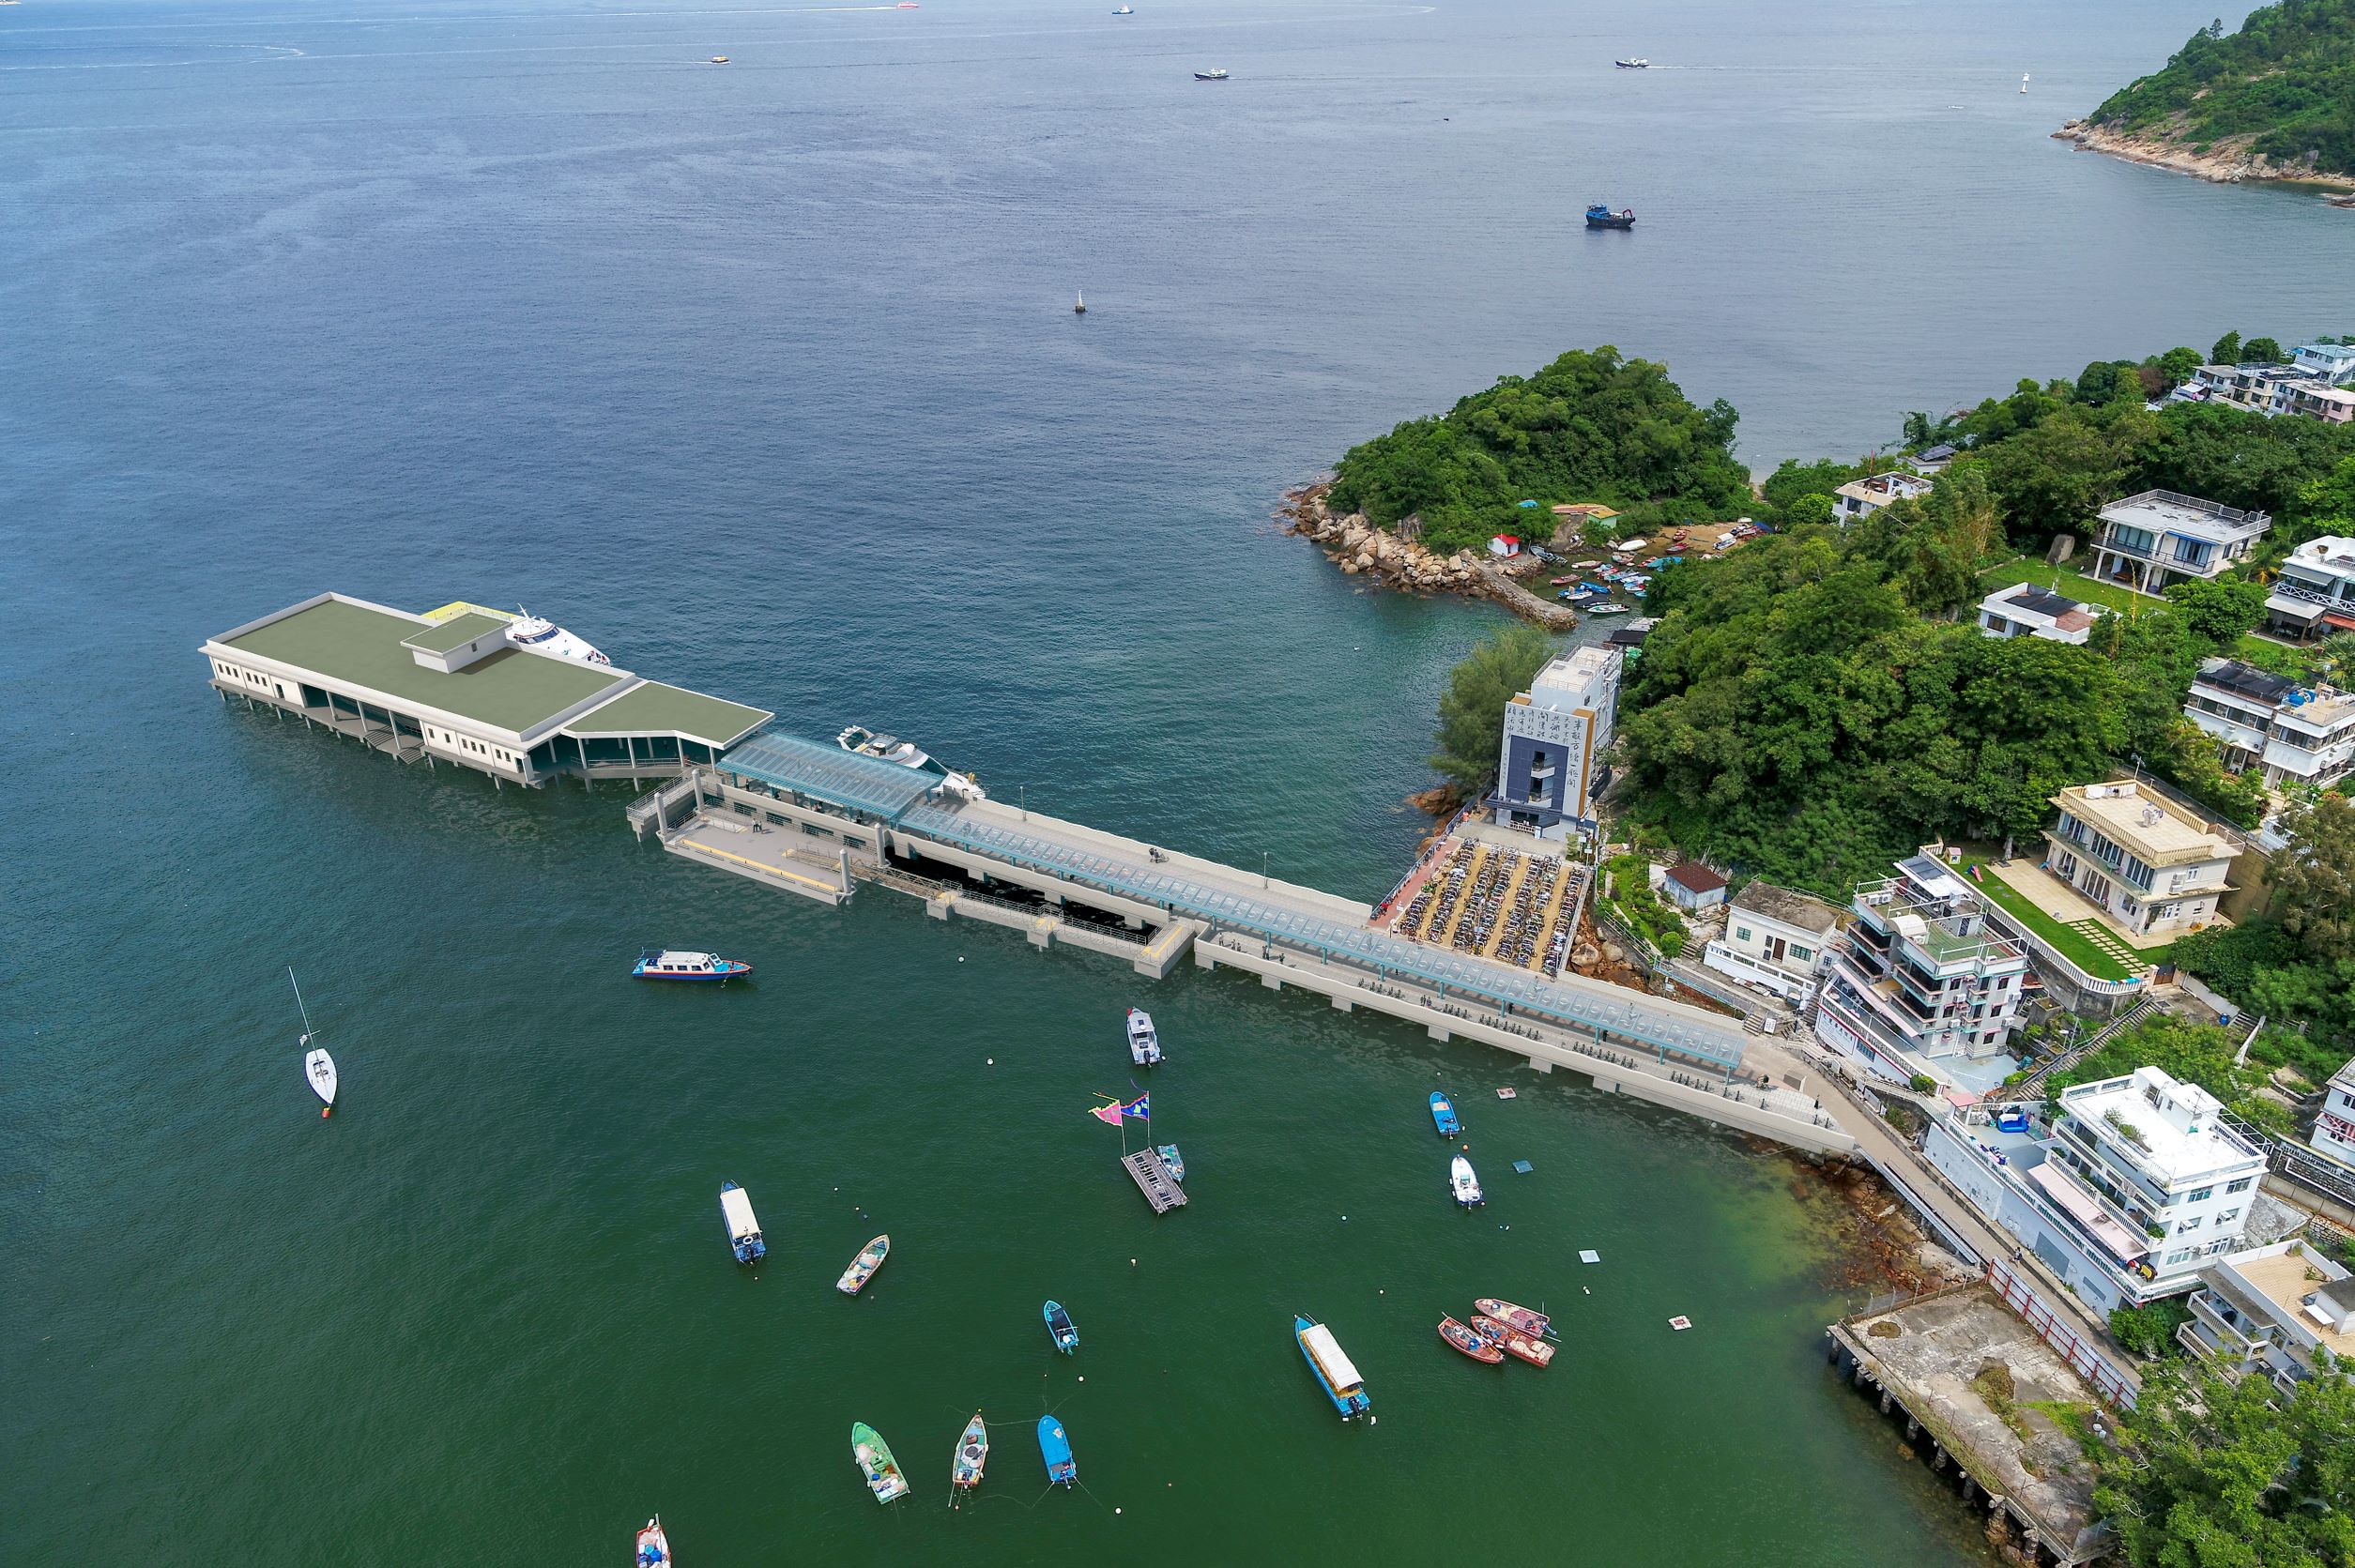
point(2138, 1183)
point(1555, 732)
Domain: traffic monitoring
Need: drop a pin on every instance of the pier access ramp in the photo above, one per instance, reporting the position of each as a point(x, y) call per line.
point(873, 788)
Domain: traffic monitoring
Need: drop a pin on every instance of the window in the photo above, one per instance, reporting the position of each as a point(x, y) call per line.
point(2181, 1253)
point(2201, 1195)
point(1741, 933)
point(2240, 1186)
point(1802, 954)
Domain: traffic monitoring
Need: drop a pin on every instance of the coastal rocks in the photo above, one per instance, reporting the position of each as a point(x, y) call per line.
point(2226, 161)
point(1396, 559)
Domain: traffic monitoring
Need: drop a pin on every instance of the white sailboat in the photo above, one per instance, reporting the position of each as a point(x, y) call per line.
point(318, 1068)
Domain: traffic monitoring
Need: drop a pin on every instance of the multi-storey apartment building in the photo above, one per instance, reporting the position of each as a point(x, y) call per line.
point(2138, 856)
point(2315, 594)
point(2157, 539)
point(1555, 734)
point(2296, 735)
point(1918, 976)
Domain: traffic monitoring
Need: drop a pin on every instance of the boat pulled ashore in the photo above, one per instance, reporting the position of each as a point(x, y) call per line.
point(1443, 1116)
point(972, 1452)
point(653, 1546)
point(743, 1231)
point(1061, 1330)
point(1525, 1347)
point(1342, 1384)
point(1514, 1316)
point(1470, 1342)
point(1463, 1183)
point(1054, 1446)
point(862, 1267)
point(1144, 1041)
point(664, 963)
point(875, 1461)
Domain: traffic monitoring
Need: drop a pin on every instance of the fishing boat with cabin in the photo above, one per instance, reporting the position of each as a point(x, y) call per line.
point(1061, 1330)
point(875, 1461)
point(743, 1231)
point(972, 1452)
point(1341, 1379)
point(664, 963)
point(1470, 1342)
point(1601, 217)
point(1525, 1347)
point(862, 1267)
point(653, 1546)
point(1054, 1446)
point(1144, 1041)
point(1443, 1116)
point(1463, 1183)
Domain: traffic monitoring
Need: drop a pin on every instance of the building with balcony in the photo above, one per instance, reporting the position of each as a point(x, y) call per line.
point(1555, 734)
point(2333, 405)
point(1918, 982)
point(2029, 611)
point(2334, 1134)
point(1776, 939)
point(2270, 1311)
point(2137, 1184)
point(2334, 363)
point(1863, 497)
point(2295, 735)
point(2157, 539)
point(2138, 857)
point(2315, 594)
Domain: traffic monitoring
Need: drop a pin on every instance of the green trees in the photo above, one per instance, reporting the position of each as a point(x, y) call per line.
point(2313, 878)
point(2219, 611)
point(1471, 728)
point(2210, 1473)
point(2283, 85)
point(2227, 350)
point(2264, 351)
point(2148, 1331)
point(1588, 426)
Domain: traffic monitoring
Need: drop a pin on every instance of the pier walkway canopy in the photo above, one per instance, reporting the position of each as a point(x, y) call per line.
point(868, 785)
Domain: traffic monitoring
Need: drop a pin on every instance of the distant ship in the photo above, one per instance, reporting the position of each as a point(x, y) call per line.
point(1639, 63)
point(719, 59)
point(1210, 76)
point(1125, 10)
point(543, 636)
point(1600, 217)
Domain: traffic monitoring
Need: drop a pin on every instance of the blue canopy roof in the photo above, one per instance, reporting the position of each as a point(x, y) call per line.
point(864, 784)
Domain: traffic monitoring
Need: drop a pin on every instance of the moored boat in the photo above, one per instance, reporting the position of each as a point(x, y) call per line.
point(1601, 217)
point(875, 1461)
point(862, 1267)
point(972, 1452)
point(663, 964)
point(1526, 1347)
point(1171, 1161)
point(653, 1546)
point(1470, 1343)
point(544, 635)
point(743, 1231)
point(1054, 1446)
point(1334, 1370)
point(1465, 1185)
point(318, 1068)
point(1144, 1041)
point(1513, 1317)
point(1443, 1116)
point(1060, 1329)
point(1606, 609)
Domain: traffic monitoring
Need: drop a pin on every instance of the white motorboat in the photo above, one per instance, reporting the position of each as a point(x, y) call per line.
point(1639, 63)
point(1144, 1041)
point(1606, 609)
point(1466, 1185)
point(1218, 75)
point(544, 636)
point(890, 748)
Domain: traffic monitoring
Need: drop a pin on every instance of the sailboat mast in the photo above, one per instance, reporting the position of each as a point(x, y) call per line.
point(298, 1007)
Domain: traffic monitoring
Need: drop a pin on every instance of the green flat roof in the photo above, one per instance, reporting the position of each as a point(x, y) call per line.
point(655, 708)
point(450, 633)
point(352, 645)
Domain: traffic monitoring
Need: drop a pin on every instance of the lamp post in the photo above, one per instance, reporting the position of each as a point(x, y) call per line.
point(1262, 868)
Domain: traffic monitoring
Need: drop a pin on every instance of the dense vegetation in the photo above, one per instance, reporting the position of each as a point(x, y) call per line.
point(2286, 80)
point(1588, 426)
point(2189, 1053)
point(1470, 730)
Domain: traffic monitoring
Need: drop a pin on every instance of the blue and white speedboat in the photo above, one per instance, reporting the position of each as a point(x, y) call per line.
point(1054, 1446)
point(1443, 1116)
point(1342, 1384)
point(1061, 1330)
point(743, 1231)
point(663, 964)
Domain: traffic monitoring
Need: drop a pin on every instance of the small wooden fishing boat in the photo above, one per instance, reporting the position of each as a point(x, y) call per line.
point(663, 964)
point(1334, 1370)
point(1443, 1116)
point(1465, 1185)
point(1054, 1446)
point(1061, 1330)
point(874, 1456)
point(1528, 1347)
point(744, 1229)
point(1469, 1343)
point(653, 1547)
point(1173, 1160)
point(1513, 1317)
point(972, 1452)
point(862, 1267)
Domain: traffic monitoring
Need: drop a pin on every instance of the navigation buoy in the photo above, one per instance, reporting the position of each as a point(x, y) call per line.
point(326, 1111)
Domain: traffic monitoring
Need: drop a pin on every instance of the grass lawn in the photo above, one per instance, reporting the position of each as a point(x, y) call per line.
point(2072, 945)
point(2296, 662)
point(2073, 584)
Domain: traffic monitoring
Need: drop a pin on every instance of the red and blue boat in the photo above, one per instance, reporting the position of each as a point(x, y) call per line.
point(665, 963)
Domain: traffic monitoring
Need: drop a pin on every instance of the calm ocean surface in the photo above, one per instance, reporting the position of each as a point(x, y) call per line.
point(765, 379)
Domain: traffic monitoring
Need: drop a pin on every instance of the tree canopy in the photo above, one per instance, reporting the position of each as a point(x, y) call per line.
point(2284, 82)
point(1470, 730)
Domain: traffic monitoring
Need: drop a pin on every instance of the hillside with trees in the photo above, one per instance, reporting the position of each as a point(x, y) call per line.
point(2283, 89)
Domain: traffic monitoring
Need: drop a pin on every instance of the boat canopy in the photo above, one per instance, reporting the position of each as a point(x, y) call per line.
point(736, 1204)
point(1337, 1366)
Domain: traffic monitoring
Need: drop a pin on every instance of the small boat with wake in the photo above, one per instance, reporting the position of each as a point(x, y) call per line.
point(875, 1461)
point(1639, 63)
point(862, 1267)
point(1054, 1446)
point(1061, 1330)
point(1210, 75)
point(1144, 1041)
point(972, 1452)
point(653, 1546)
point(1513, 1317)
point(1463, 1183)
point(1601, 217)
point(1443, 1116)
point(1525, 1347)
point(1124, 11)
point(664, 963)
point(1470, 1343)
point(1342, 1384)
point(743, 1231)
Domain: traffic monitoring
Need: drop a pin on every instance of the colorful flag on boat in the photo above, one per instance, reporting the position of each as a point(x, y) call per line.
point(1109, 1115)
point(1140, 1108)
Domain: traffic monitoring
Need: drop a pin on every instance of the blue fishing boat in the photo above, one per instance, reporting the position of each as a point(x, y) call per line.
point(1060, 1329)
point(1342, 1384)
point(743, 1231)
point(1601, 217)
point(1173, 1160)
point(1443, 1116)
point(1054, 1446)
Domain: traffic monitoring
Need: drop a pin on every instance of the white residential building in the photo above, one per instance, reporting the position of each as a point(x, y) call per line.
point(2297, 735)
point(2315, 594)
point(1555, 735)
point(2271, 1310)
point(1776, 939)
point(2334, 1136)
point(2152, 540)
point(2333, 363)
point(1919, 975)
point(2143, 860)
point(2029, 611)
point(2137, 1184)
point(1862, 498)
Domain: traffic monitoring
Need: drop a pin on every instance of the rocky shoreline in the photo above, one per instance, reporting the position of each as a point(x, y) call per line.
point(1360, 548)
point(2227, 162)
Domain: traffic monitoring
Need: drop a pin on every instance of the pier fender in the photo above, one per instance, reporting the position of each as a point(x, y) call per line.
point(1343, 1004)
point(1439, 1032)
point(1271, 982)
point(1540, 1065)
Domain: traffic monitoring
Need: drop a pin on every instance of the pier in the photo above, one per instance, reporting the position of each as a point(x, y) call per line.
point(1154, 1181)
